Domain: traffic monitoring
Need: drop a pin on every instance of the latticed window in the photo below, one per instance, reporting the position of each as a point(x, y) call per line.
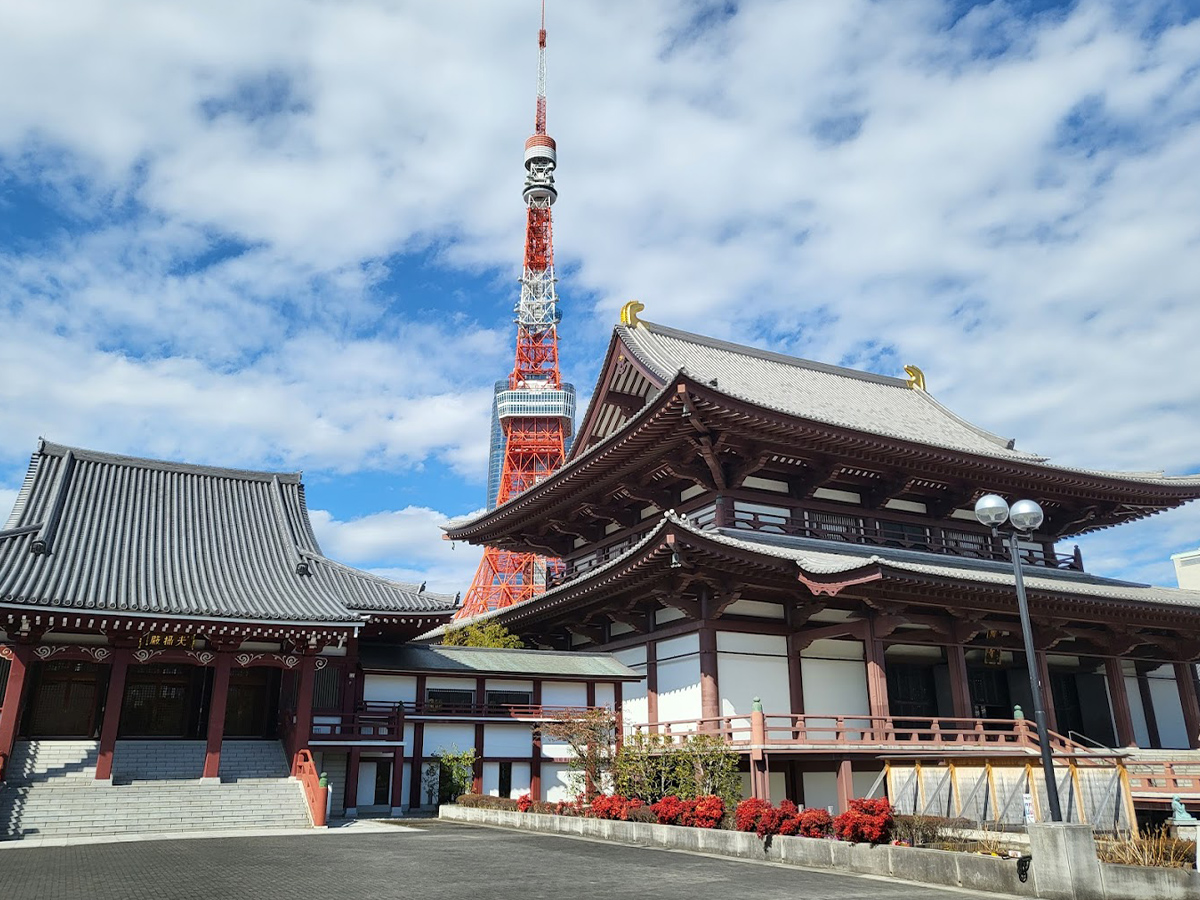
point(904, 534)
point(448, 699)
point(968, 543)
point(327, 688)
point(835, 526)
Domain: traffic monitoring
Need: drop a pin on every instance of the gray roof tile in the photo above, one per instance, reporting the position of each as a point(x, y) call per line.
point(104, 532)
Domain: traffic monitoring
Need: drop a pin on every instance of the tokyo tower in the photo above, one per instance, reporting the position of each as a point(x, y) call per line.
point(533, 409)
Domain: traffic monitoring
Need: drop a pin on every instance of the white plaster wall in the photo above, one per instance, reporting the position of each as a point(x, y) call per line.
point(606, 695)
point(556, 751)
point(520, 779)
point(633, 694)
point(837, 687)
point(679, 689)
point(756, 609)
point(557, 782)
point(1168, 710)
point(749, 666)
point(667, 614)
point(1141, 733)
point(390, 688)
point(507, 740)
point(564, 693)
point(820, 790)
point(448, 736)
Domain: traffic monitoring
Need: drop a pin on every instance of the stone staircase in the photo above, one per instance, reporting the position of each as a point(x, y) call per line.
point(51, 790)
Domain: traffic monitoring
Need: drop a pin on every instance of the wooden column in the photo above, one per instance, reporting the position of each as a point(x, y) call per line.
point(845, 785)
point(10, 711)
point(416, 766)
point(477, 770)
point(350, 788)
point(1148, 706)
point(877, 697)
point(1043, 670)
point(960, 682)
point(652, 685)
point(304, 699)
point(112, 712)
point(795, 675)
point(1122, 715)
point(535, 753)
point(398, 782)
point(710, 691)
point(216, 717)
point(1185, 682)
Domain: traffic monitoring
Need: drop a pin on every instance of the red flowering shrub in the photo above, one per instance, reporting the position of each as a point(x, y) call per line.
point(778, 820)
point(814, 823)
point(748, 813)
point(866, 822)
point(669, 810)
point(613, 806)
point(705, 811)
point(569, 807)
point(524, 803)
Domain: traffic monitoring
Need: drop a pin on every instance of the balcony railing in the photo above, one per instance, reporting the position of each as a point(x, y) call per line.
point(935, 541)
point(365, 725)
point(875, 733)
point(374, 721)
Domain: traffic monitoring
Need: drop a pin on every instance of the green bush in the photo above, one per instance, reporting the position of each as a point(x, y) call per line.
point(653, 766)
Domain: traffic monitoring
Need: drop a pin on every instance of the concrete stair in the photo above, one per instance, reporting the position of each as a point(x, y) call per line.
point(52, 792)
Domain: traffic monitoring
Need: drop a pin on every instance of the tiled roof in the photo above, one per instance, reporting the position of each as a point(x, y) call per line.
point(103, 532)
point(491, 661)
point(848, 398)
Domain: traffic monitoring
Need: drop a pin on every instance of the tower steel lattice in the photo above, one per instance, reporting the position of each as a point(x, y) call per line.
point(535, 409)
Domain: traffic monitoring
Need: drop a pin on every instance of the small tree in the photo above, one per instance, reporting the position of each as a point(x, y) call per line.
point(450, 775)
point(483, 634)
point(653, 766)
point(590, 734)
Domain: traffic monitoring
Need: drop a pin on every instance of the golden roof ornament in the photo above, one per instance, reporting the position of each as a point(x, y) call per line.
point(916, 378)
point(629, 312)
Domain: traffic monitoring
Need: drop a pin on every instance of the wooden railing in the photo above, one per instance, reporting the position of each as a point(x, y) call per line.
point(1163, 778)
point(484, 710)
point(304, 769)
point(376, 721)
point(385, 724)
point(822, 732)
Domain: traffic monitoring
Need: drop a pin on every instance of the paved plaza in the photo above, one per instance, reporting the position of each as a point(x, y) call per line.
point(434, 860)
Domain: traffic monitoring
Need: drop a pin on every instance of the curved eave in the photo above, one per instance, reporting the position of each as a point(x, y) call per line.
point(560, 489)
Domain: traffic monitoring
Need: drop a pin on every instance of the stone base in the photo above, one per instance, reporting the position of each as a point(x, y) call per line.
point(210, 779)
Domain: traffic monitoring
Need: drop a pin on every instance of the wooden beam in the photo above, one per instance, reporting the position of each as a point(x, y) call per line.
point(629, 404)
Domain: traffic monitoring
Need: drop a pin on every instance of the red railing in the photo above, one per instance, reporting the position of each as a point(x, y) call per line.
point(304, 769)
point(822, 732)
point(480, 710)
point(1163, 778)
point(385, 724)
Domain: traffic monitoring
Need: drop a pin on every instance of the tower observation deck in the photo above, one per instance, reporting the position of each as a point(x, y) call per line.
point(533, 412)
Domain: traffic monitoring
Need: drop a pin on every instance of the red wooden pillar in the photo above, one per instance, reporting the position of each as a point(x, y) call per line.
point(477, 772)
point(1043, 670)
point(416, 766)
point(302, 733)
point(216, 717)
point(398, 782)
point(877, 697)
point(845, 785)
point(710, 692)
point(112, 713)
point(795, 675)
point(1185, 682)
point(10, 711)
point(618, 710)
point(960, 684)
point(652, 686)
point(535, 753)
point(350, 788)
point(1122, 715)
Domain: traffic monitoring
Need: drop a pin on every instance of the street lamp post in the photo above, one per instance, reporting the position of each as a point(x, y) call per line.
point(1025, 516)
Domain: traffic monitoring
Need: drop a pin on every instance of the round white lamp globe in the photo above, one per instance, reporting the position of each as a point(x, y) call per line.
point(991, 510)
point(1026, 515)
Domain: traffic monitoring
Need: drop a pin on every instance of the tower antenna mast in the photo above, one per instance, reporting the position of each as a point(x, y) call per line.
point(535, 411)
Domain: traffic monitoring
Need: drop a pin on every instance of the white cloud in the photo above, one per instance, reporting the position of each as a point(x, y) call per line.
point(1009, 203)
point(404, 545)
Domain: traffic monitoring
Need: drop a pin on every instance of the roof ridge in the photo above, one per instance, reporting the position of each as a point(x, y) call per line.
point(48, 448)
point(768, 355)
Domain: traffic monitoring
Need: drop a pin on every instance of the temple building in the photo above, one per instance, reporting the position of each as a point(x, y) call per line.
point(740, 525)
point(173, 639)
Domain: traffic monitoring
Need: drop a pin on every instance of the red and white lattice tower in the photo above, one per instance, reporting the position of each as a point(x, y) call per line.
point(536, 412)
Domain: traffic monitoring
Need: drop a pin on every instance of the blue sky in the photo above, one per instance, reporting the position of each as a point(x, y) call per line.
point(287, 234)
